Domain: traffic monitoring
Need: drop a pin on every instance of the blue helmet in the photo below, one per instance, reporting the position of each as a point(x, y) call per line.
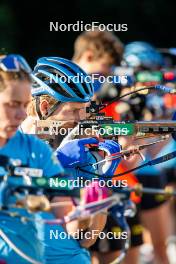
point(61, 79)
point(140, 53)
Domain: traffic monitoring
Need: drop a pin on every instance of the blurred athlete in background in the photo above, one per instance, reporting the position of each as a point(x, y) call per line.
point(97, 52)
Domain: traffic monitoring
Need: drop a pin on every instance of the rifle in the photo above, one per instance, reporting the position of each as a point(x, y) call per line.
point(106, 127)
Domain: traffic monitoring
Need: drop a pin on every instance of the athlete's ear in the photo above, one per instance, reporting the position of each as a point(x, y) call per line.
point(44, 106)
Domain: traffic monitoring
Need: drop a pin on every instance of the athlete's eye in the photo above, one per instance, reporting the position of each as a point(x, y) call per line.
point(13, 104)
point(26, 105)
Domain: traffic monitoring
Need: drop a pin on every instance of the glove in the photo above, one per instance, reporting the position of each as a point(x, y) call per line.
point(108, 167)
point(74, 153)
point(77, 173)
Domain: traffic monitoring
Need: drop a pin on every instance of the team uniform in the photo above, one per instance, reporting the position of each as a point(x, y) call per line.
point(35, 154)
point(154, 178)
point(58, 246)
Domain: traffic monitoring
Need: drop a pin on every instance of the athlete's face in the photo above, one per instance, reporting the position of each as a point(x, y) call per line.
point(71, 111)
point(13, 103)
point(91, 65)
point(102, 65)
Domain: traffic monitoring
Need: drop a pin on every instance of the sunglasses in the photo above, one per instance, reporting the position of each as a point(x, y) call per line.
point(14, 63)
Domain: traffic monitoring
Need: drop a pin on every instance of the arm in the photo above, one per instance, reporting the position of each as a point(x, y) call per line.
point(98, 224)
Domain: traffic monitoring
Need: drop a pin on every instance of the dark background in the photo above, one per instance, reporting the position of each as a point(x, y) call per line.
point(24, 25)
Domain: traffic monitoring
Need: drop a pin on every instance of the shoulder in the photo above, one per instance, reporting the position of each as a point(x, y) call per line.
point(41, 154)
point(33, 142)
